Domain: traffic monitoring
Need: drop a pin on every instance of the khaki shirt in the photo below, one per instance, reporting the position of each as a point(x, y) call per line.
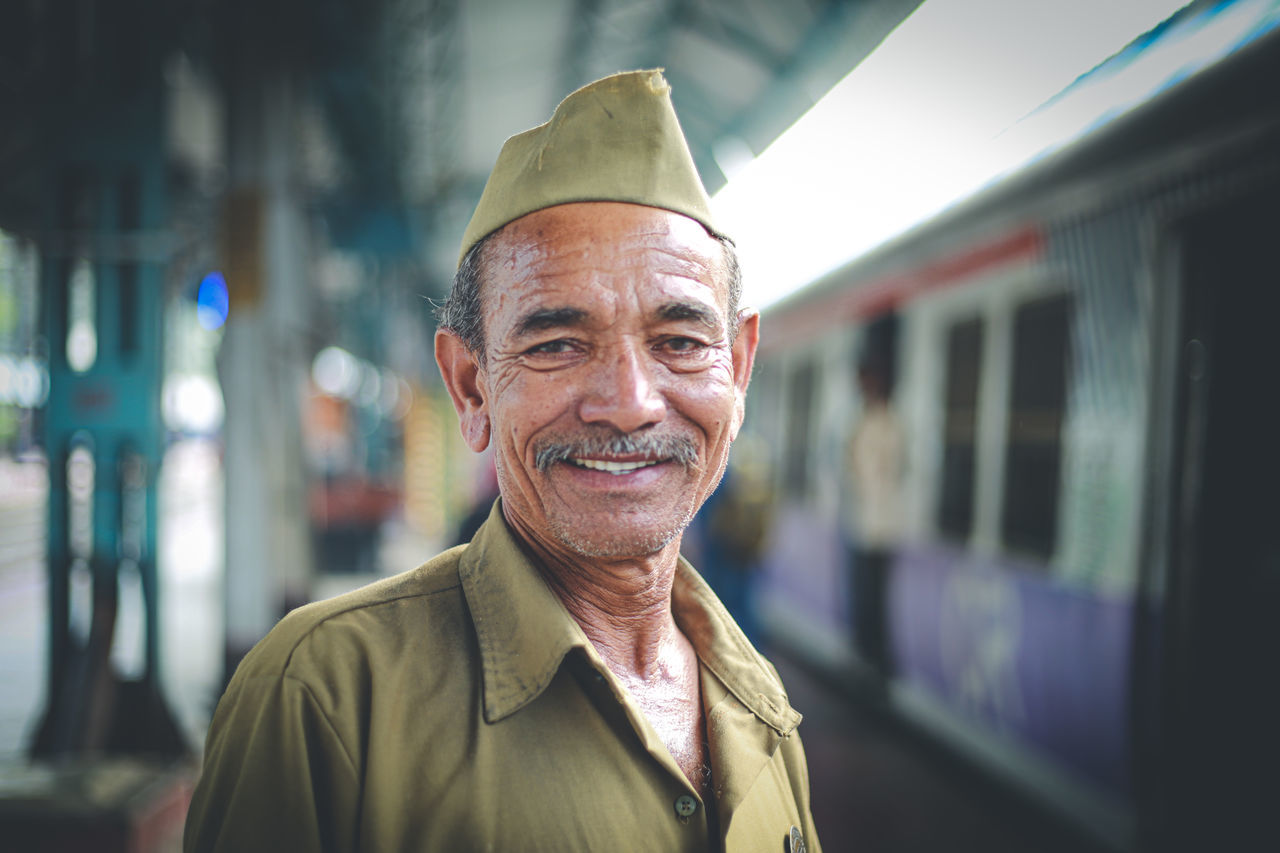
point(458, 706)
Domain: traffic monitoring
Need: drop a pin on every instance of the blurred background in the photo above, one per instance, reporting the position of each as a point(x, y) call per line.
point(1000, 508)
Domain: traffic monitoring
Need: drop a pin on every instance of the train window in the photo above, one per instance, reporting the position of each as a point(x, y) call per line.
point(959, 429)
point(1038, 393)
point(799, 408)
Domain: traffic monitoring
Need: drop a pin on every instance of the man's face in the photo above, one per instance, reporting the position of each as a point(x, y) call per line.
point(611, 387)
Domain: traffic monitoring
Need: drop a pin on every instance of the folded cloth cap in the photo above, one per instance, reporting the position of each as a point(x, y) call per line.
point(616, 139)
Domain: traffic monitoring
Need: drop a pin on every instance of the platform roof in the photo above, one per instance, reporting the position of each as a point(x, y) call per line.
point(416, 96)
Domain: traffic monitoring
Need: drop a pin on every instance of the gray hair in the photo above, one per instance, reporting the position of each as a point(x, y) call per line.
point(463, 312)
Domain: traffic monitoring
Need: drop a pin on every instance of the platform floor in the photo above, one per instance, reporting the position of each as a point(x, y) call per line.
point(879, 786)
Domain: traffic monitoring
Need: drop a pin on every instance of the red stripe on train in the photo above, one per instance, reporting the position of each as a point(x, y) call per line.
point(859, 301)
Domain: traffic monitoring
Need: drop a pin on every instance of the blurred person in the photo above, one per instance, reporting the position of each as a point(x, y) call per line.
point(486, 492)
point(874, 459)
point(564, 681)
point(726, 540)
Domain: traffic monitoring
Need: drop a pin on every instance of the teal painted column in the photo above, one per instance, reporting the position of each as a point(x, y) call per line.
point(105, 244)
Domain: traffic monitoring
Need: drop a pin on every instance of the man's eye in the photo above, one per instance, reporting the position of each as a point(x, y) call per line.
point(555, 347)
point(683, 345)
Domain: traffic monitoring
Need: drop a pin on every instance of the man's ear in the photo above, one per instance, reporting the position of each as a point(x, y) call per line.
point(744, 356)
point(463, 376)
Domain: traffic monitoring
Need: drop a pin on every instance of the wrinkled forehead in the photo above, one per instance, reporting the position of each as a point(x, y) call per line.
point(567, 246)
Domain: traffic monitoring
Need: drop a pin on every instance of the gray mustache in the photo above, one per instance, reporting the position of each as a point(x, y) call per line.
point(676, 448)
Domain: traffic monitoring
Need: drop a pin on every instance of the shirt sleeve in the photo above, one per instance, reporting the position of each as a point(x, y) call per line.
point(276, 775)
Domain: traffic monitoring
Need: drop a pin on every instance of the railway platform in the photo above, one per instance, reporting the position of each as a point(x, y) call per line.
point(879, 786)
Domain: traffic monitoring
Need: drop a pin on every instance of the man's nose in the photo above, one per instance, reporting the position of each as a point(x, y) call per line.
point(622, 391)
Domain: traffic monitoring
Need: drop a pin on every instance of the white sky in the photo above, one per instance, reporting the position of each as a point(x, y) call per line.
point(913, 129)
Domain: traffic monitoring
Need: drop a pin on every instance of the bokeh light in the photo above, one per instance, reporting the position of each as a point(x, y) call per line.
point(213, 304)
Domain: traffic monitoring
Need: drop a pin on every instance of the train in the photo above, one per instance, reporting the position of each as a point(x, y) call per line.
point(1078, 598)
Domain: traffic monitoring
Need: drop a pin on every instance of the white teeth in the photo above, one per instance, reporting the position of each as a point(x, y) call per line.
point(612, 467)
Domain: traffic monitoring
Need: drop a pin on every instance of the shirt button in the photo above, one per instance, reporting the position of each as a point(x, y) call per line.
point(797, 840)
point(686, 805)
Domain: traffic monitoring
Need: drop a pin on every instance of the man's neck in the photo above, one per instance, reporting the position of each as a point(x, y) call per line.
point(622, 605)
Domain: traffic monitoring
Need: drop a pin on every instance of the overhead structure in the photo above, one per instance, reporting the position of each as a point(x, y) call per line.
point(407, 102)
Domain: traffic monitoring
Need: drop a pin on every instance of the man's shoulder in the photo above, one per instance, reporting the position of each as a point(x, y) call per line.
point(381, 612)
point(437, 575)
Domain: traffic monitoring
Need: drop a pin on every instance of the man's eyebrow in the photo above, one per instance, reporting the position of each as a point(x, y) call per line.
point(542, 319)
point(694, 311)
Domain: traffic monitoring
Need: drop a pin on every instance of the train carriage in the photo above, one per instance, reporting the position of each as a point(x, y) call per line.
point(1079, 598)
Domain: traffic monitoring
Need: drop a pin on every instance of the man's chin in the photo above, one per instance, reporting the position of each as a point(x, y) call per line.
point(619, 543)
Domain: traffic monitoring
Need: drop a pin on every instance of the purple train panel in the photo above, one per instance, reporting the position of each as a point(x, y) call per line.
point(803, 567)
point(1018, 654)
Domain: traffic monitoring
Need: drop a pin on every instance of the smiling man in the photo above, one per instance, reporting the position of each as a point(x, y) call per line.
point(565, 681)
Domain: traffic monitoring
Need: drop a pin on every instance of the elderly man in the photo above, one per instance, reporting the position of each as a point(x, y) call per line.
point(565, 681)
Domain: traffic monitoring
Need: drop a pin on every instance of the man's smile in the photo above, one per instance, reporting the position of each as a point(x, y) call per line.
point(614, 467)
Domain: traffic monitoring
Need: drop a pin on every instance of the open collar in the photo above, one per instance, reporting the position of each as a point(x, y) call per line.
point(525, 632)
point(727, 653)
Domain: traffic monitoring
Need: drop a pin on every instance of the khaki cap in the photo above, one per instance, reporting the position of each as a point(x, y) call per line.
point(616, 139)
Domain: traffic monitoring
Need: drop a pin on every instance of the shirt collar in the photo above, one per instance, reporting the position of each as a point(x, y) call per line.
point(525, 632)
point(727, 653)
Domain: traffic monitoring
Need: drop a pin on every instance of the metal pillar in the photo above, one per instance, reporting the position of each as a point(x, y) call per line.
point(103, 434)
point(262, 364)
